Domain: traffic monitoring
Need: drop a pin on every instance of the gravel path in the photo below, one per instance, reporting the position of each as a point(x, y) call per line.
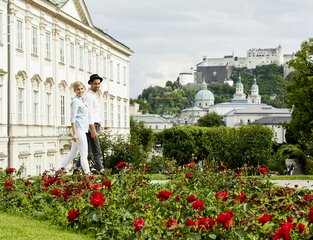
point(292, 183)
point(284, 183)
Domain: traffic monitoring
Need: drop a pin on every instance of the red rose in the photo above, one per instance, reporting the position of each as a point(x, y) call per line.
point(188, 175)
point(8, 184)
point(72, 215)
point(283, 232)
point(263, 170)
point(310, 215)
point(138, 224)
point(240, 197)
point(56, 192)
point(171, 223)
point(97, 199)
point(205, 223)
point(222, 195)
point(308, 197)
point(198, 205)
point(191, 198)
point(121, 164)
point(27, 183)
point(190, 223)
point(302, 228)
point(164, 195)
point(95, 186)
point(177, 197)
point(10, 170)
point(222, 167)
point(107, 183)
point(289, 219)
point(264, 219)
point(67, 194)
point(191, 165)
point(225, 218)
point(49, 181)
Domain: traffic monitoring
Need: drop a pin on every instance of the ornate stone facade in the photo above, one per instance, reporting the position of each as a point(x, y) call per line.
point(44, 47)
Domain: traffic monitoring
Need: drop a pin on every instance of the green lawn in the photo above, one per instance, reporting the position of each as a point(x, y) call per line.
point(23, 228)
point(292, 177)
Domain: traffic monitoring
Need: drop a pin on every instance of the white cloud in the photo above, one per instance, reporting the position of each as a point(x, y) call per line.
point(170, 36)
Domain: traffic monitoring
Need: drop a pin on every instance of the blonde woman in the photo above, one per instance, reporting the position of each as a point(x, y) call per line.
point(80, 125)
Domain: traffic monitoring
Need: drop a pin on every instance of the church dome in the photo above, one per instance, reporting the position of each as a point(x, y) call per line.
point(204, 95)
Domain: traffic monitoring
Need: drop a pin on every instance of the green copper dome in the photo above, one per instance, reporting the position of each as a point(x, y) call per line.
point(204, 95)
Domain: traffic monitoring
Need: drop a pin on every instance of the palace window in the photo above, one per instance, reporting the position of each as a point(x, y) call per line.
point(62, 108)
point(89, 61)
point(104, 70)
point(112, 115)
point(119, 114)
point(111, 70)
point(48, 45)
point(97, 64)
point(118, 72)
point(34, 40)
point(125, 116)
point(72, 54)
point(35, 106)
point(61, 50)
point(81, 58)
point(20, 105)
point(19, 34)
point(48, 107)
point(124, 75)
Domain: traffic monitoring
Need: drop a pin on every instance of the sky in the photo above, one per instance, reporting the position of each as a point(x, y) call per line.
point(171, 36)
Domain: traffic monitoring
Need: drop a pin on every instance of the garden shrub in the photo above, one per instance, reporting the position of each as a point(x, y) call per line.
point(234, 147)
point(309, 167)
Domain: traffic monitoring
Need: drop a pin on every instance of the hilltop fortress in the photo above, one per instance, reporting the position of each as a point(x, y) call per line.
point(220, 69)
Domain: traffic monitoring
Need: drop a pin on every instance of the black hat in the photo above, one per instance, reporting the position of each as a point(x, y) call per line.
point(93, 77)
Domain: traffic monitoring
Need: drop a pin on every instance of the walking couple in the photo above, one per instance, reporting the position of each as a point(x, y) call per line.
point(85, 124)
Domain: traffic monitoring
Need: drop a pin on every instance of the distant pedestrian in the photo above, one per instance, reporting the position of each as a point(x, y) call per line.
point(292, 167)
point(288, 170)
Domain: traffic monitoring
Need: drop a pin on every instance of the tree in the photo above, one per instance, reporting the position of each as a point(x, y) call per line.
point(300, 93)
point(141, 135)
point(210, 120)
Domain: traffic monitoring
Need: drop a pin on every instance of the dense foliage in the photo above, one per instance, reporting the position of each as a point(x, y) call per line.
point(234, 147)
point(270, 80)
point(300, 95)
point(199, 202)
point(210, 120)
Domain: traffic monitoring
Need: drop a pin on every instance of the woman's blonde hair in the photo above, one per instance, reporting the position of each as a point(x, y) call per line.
point(77, 84)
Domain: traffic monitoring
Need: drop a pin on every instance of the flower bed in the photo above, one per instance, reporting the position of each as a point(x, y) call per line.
point(207, 203)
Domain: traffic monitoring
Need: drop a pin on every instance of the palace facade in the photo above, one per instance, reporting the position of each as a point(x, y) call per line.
point(46, 45)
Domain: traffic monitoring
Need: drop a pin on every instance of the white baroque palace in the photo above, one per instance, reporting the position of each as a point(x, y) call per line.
point(46, 45)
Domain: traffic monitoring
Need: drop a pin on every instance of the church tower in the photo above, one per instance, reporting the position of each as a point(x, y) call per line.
point(239, 96)
point(254, 97)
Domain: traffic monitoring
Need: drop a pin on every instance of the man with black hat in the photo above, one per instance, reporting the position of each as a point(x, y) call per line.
point(92, 101)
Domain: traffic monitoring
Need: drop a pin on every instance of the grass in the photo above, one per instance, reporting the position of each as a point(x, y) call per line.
point(23, 228)
point(291, 177)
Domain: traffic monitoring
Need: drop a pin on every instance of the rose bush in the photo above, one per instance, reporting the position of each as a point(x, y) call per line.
point(209, 202)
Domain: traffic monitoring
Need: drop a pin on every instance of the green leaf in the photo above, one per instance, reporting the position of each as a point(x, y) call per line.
point(212, 236)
